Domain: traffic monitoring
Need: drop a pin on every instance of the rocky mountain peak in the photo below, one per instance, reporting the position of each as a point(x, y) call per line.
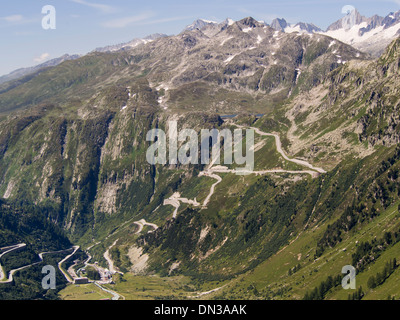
point(308, 27)
point(249, 22)
point(284, 26)
point(279, 24)
point(199, 24)
point(347, 22)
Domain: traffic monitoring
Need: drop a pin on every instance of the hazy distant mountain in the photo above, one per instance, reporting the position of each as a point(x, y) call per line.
point(199, 24)
point(308, 27)
point(26, 71)
point(282, 25)
point(131, 44)
point(279, 24)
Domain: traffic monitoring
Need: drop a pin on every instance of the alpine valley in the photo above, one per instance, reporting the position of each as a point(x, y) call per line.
point(78, 193)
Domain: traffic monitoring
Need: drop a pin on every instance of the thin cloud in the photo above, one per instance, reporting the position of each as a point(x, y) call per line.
point(124, 22)
point(171, 19)
point(146, 18)
point(42, 57)
point(98, 6)
point(13, 18)
point(17, 20)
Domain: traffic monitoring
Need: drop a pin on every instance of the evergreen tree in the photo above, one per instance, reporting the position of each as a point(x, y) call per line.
point(371, 282)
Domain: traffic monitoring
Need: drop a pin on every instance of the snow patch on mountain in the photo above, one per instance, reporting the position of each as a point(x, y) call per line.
point(371, 35)
point(225, 40)
point(200, 24)
point(301, 27)
point(373, 42)
point(229, 59)
point(230, 22)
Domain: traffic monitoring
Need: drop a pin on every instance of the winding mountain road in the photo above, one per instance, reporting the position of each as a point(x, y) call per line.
point(66, 275)
point(200, 294)
point(8, 250)
point(175, 200)
point(115, 295)
point(142, 223)
point(282, 153)
point(110, 262)
point(212, 189)
point(21, 245)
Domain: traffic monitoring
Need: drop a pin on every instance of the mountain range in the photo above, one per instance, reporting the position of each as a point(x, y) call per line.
point(324, 193)
point(370, 35)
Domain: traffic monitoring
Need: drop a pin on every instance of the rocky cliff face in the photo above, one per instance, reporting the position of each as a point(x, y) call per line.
point(90, 165)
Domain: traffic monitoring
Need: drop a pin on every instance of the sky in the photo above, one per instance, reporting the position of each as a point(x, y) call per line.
point(83, 25)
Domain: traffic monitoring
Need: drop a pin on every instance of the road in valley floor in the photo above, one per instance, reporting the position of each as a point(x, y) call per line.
point(22, 245)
